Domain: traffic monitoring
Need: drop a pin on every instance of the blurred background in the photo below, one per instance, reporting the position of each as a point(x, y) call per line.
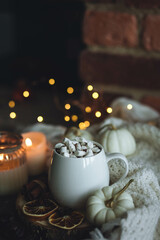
point(64, 62)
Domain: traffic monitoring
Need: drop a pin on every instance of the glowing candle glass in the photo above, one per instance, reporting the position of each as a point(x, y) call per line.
point(35, 144)
point(13, 165)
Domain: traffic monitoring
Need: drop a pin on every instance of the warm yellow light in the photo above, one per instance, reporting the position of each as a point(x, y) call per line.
point(51, 81)
point(98, 114)
point(82, 125)
point(40, 119)
point(95, 95)
point(70, 90)
point(87, 123)
point(11, 104)
point(109, 110)
point(88, 109)
point(67, 106)
point(26, 94)
point(1, 157)
point(12, 115)
point(90, 87)
point(74, 118)
point(129, 106)
point(28, 142)
point(67, 118)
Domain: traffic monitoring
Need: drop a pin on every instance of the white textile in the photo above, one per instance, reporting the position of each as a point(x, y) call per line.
point(144, 168)
point(139, 112)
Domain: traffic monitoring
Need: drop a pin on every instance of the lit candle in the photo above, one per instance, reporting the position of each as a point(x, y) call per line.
point(35, 144)
point(13, 166)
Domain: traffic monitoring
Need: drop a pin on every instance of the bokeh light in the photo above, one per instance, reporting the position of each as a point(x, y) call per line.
point(129, 106)
point(95, 95)
point(87, 123)
point(82, 125)
point(11, 104)
point(40, 119)
point(109, 110)
point(51, 81)
point(12, 115)
point(67, 118)
point(98, 114)
point(74, 118)
point(70, 90)
point(88, 109)
point(26, 94)
point(90, 87)
point(67, 106)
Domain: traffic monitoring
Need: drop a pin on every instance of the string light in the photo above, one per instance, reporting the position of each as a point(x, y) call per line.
point(74, 118)
point(87, 123)
point(67, 118)
point(51, 81)
point(40, 119)
point(95, 95)
point(26, 94)
point(90, 87)
point(82, 125)
point(11, 104)
point(88, 109)
point(70, 90)
point(129, 106)
point(67, 106)
point(109, 110)
point(98, 114)
point(12, 115)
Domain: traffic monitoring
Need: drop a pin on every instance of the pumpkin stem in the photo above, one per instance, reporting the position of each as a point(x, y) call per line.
point(75, 130)
point(78, 132)
point(108, 126)
point(110, 202)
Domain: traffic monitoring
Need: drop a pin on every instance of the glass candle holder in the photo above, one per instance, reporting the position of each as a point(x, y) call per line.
point(13, 164)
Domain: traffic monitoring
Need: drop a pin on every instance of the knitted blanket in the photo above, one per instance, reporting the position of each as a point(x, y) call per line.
point(143, 222)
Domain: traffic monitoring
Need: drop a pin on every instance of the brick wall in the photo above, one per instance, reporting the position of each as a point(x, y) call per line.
point(122, 53)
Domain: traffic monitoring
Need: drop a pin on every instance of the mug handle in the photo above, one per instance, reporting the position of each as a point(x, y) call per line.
point(111, 156)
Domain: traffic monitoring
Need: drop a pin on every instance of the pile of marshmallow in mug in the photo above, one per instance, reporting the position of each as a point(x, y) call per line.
point(79, 147)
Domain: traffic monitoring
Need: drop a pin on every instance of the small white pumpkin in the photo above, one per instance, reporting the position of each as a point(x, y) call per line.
point(117, 140)
point(107, 204)
point(73, 132)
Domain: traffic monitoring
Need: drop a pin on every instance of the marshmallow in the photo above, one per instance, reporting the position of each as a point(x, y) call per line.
point(59, 145)
point(80, 153)
point(95, 149)
point(79, 147)
point(89, 153)
point(90, 144)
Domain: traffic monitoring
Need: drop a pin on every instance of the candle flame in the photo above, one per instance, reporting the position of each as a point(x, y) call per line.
point(28, 142)
point(1, 157)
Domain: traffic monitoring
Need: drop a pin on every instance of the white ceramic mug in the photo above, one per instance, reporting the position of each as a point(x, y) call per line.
point(72, 180)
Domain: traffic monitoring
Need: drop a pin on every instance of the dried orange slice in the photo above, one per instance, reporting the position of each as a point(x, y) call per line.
point(39, 209)
point(66, 221)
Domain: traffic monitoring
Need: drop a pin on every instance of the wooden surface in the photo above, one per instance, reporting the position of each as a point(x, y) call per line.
point(43, 226)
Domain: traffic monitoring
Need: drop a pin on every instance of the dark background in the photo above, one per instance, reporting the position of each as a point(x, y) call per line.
point(39, 40)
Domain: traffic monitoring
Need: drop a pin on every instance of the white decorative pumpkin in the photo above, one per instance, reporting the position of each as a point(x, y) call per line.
point(73, 132)
point(117, 140)
point(107, 204)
